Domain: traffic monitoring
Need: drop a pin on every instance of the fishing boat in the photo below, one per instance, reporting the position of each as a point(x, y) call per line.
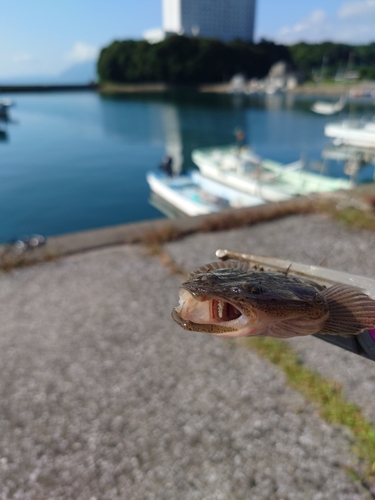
point(358, 133)
point(5, 104)
point(267, 179)
point(3, 135)
point(193, 194)
point(329, 108)
point(343, 152)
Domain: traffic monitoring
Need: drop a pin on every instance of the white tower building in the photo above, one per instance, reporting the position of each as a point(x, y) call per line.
point(222, 19)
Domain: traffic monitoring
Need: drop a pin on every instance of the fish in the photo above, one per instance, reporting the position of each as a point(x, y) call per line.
point(231, 299)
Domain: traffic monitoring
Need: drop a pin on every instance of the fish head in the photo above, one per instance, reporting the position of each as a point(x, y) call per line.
point(229, 299)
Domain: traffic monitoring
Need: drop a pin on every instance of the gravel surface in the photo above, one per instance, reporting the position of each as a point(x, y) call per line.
point(102, 396)
point(312, 239)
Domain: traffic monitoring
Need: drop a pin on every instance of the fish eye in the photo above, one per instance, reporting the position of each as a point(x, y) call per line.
point(255, 289)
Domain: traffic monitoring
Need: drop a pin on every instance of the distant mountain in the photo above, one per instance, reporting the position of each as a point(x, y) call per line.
point(78, 74)
point(28, 80)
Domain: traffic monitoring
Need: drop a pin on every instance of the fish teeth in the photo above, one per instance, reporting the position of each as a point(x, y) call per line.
point(220, 308)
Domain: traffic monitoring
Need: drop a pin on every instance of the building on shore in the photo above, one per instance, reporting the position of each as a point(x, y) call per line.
point(225, 20)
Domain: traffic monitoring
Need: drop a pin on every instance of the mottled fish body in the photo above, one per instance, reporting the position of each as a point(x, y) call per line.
point(229, 299)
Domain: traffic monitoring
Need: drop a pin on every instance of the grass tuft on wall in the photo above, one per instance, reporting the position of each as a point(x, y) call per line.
point(323, 393)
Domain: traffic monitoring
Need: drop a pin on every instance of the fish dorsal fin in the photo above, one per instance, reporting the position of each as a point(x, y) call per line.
point(350, 310)
point(227, 264)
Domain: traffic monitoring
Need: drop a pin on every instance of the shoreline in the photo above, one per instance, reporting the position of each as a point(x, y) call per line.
point(109, 88)
point(355, 212)
point(152, 232)
point(312, 89)
point(46, 88)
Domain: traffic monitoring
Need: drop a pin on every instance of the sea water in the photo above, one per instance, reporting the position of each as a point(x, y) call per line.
point(71, 161)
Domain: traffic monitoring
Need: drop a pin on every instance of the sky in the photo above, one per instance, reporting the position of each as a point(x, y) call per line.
point(45, 37)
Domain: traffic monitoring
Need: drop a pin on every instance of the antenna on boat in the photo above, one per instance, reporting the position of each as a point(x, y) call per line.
point(240, 137)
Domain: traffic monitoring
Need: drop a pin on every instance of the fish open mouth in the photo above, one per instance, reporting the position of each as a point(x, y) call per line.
point(211, 315)
point(223, 311)
point(217, 327)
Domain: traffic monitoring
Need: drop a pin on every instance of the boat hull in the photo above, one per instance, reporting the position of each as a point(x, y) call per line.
point(193, 194)
point(269, 180)
point(352, 134)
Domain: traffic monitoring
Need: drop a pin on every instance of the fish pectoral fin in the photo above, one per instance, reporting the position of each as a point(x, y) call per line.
point(289, 328)
point(350, 310)
point(279, 330)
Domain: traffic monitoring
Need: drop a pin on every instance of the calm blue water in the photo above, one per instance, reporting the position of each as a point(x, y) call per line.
point(76, 161)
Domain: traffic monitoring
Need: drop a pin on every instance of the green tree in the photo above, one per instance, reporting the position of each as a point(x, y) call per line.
point(183, 60)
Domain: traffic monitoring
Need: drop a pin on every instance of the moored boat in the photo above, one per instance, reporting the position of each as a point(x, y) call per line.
point(329, 108)
point(265, 178)
point(5, 104)
point(357, 133)
point(193, 194)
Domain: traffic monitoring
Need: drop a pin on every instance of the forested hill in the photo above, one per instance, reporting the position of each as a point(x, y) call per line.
point(182, 60)
point(189, 61)
point(330, 58)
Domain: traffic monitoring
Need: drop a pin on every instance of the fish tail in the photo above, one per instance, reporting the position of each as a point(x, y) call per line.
point(350, 310)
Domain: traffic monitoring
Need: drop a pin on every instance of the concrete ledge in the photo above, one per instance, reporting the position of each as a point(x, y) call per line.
point(153, 232)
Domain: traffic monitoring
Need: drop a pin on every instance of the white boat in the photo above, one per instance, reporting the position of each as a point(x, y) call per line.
point(329, 108)
point(343, 152)
point(193, 194)
point(352, 133)
point(267, 179)
point(5, 104)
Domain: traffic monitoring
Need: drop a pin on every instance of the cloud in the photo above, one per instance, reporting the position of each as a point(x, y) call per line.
point(357, 9)
point(22, 58)
point(353, 23)
point(317, 17)
point(82, 52)
point(313, 25)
